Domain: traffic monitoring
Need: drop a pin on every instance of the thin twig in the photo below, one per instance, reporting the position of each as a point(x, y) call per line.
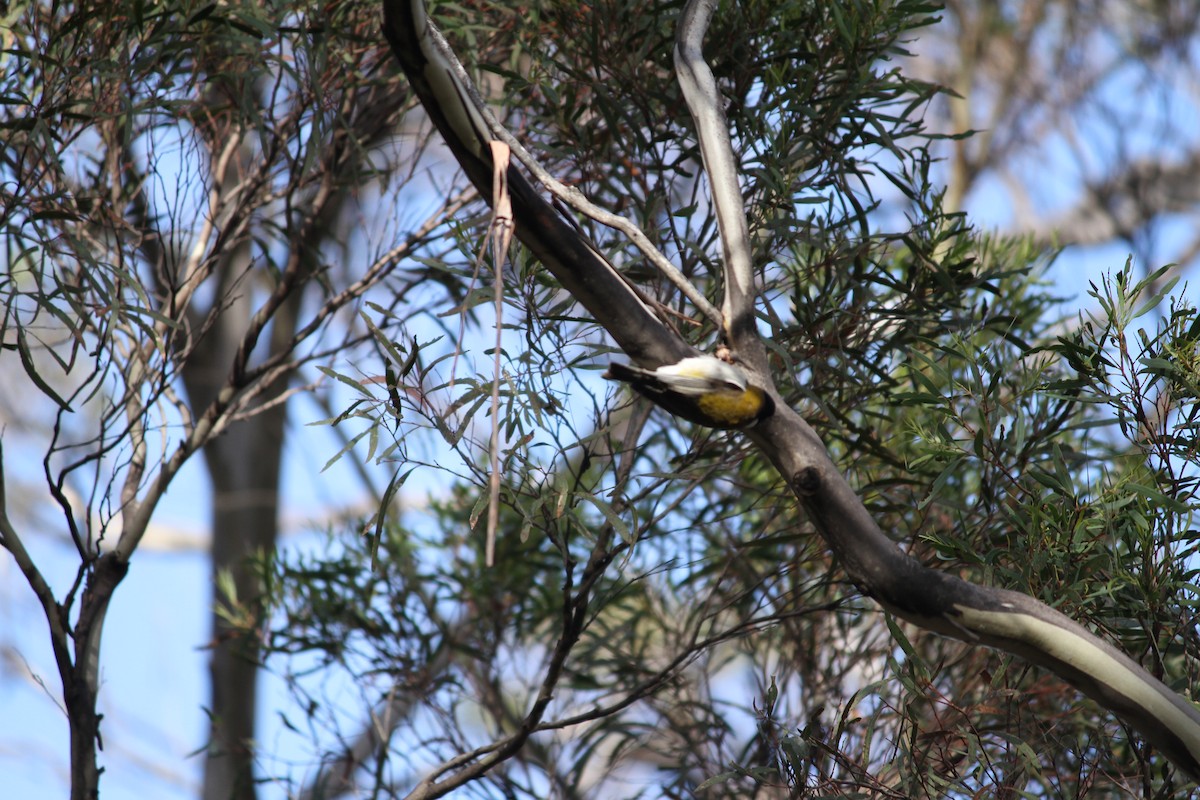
point(501, 234)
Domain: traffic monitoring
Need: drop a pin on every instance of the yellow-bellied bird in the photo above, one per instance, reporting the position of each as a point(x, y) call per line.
point(702, 389)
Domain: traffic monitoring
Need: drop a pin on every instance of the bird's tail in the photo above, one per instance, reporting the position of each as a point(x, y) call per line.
point(627, 373)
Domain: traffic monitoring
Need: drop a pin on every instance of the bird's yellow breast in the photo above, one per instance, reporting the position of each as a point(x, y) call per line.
point(732, 408)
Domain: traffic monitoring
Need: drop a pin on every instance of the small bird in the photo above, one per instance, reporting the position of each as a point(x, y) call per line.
point(701, 389)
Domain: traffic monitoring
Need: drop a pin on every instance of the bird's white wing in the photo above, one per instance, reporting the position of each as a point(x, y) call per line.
point(695, 376)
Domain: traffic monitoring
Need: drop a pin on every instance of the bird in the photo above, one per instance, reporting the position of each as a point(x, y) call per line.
point(701, 389)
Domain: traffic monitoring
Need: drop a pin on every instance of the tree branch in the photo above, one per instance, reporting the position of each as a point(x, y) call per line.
point(11, 541)
point(720, 165)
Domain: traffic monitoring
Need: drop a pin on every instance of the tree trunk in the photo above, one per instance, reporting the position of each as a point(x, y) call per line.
point(244, 466)
point(81, 681)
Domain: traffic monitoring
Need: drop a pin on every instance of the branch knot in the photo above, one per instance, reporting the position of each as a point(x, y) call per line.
point(807, 481)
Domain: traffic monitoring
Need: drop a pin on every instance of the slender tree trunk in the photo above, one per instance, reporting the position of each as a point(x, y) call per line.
point(244, 465)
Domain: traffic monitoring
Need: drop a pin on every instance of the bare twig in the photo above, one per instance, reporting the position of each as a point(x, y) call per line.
point(501, 233)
